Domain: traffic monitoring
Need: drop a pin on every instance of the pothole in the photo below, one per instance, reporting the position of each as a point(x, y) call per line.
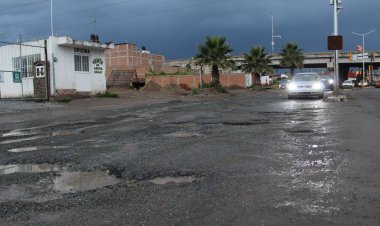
point(249, 123)
point(38, 136)
point(182, 135)
point(66, 181)
point(71, 182)
point(315, 163)
point(301, 131)
point(175, 180)
point(28, 168)
point(30, 149)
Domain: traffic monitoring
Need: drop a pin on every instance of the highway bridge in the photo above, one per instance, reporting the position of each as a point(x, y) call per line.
point(322, 60)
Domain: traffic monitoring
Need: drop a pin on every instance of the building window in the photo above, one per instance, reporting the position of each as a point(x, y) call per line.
point(25, 64)
point(82, 63)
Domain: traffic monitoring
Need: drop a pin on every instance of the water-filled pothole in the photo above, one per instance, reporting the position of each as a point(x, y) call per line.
point(66, 181)
point(181, 134)
point(176, 180)
point(71, 182)
point(37, 135)
point(28, 168)
point(30, 149)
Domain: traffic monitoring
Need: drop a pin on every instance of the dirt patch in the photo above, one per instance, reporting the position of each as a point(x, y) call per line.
point(235, 87)
point(151, 87)
point(173, 89)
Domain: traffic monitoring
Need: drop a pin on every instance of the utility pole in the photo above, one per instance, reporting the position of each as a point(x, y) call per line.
point(52, 44)
point(21, 68)
point(337, 8)
point(273, 35)
point(363, 37)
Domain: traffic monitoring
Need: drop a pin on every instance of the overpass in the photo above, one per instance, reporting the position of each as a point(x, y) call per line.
point(312, 60)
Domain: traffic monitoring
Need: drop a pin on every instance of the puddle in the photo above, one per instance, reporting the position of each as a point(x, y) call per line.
point(29, 168)
point(319, 162)
point(66, 182)
point(30, 149)
point(17, 133)
point(176, 180)
point(41, 136)
point(71, 182)
point(182, 135)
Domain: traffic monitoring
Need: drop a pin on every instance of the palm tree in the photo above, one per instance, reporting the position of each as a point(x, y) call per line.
point(215, 52)
point(256, 62)
point(292, 57)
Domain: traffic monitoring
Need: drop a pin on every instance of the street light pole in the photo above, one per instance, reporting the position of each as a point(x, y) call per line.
point(337, 8)
point(273, 36)
point(363, 37)
point(51, 18)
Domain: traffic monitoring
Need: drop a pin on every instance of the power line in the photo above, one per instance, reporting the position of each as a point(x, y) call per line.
point(69, 13)
point(136, 16)
point(21, 5)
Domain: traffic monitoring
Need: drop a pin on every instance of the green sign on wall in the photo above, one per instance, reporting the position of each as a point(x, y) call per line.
point(17, 77)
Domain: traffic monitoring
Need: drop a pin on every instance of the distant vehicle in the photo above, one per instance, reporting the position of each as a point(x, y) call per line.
point(366, 83)
point(348, 84)
point(377, 84)
point(355, 81)
point(306, 84)
point(328, 82)
point(283, 83)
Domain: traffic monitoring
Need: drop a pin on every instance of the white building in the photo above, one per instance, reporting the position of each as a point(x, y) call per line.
point(79, 67)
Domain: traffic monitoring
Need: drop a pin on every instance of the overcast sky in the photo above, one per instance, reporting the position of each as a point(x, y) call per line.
point(174, 28)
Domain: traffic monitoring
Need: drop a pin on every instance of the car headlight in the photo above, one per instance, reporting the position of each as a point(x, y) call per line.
point(331, 81)
point(291, 86)
point(317, 86)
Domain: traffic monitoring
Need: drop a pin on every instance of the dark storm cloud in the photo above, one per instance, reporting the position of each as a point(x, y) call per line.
point(175, 27)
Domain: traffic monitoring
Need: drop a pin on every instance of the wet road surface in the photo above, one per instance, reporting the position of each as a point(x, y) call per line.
point(239, 159)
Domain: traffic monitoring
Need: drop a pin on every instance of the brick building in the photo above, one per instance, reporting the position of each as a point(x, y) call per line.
point(126, 56)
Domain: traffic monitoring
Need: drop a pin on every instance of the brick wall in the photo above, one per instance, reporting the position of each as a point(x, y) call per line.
point(128, 57)
point(192, 81)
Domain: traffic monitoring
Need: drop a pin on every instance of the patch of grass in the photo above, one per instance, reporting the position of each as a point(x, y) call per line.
point(258, 88)
point(195, 91)
point(63, 100)
point(221, 89)
point(107, 95)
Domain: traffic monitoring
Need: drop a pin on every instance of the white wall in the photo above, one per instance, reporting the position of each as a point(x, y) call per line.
point(64, 78)
point(65, 75)
point(8, 89)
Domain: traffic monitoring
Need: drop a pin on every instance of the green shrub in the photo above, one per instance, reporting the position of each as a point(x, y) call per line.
point(257, 88)
point(107, 95)
point(63, 99)
point(195, 91)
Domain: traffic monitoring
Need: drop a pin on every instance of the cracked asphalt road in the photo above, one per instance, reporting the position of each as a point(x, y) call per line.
point(239, 159)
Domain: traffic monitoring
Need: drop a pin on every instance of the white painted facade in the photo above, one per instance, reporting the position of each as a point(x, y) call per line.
point(64, 74)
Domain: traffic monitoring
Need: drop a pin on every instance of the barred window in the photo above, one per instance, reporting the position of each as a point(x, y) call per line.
point(82, 63)
point(25, 64)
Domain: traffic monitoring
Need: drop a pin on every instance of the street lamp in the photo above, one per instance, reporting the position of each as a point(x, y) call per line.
point(363, 37)
point(337, 8)
point(273, 36)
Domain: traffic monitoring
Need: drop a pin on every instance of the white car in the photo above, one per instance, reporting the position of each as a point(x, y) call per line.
point(348, 83)
point(306, 84)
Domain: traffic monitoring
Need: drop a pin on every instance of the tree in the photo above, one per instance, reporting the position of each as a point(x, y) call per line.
point(256, 62)
point(292, 57)
point(215, 52)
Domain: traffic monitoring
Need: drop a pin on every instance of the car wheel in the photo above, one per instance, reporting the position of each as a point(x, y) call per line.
point(320, 96)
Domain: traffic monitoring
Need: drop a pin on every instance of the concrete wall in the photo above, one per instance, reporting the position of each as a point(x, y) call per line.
point(192, 81)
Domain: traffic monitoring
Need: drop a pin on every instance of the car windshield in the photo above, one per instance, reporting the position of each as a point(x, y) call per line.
point(306, 77)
